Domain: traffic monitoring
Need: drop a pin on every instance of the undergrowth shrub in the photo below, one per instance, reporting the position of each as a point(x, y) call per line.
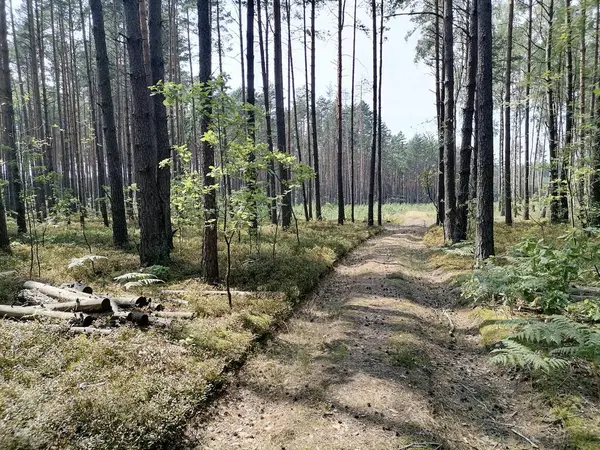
point(537, 272)
point(548, 345)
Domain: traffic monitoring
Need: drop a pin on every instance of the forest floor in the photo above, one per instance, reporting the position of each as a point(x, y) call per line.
point(382, 355)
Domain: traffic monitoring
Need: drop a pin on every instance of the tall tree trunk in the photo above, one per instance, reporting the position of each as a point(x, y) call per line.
point(371, 198)
point(484, 231)
point(449, 138)
point(528, 106)
point(507, 109)
point(163, 149)
point(439, 97)
point(340, 179)
point(467, 129)
point(569, 120)
point(264, 66)
point(286, 206)
point(39, 171)
point(154, 249)
point(98, 149)
point(210, 256)
point(313, 109)
point(583, 117)
point(352, 182)
point(115, 173)
point(251, 101)
point(555, 215)
point(380, 121)
point(9, 131)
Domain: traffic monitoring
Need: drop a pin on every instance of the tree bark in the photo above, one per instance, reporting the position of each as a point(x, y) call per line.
point(154, 249)
point(286, 206)
point(340, 178)
point(507, 110)
point(115, 173)
point(210, 256)
point(313, 109)
point(8, 127)
point(484, 231)
point(467, 129)
point(163, 149)
point(371, 198)
point(449, 137)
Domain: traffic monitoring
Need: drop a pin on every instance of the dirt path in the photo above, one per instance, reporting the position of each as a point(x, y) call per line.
point(369, 362)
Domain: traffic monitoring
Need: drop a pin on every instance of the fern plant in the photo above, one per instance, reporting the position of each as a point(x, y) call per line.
point(549, 346)
point(137, 279)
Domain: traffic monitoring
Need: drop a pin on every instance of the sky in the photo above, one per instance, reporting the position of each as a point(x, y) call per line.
point(408, 100)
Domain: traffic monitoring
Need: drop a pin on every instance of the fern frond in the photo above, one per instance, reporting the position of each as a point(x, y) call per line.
point(516, 354)
point(143, 282)
point(134, 276)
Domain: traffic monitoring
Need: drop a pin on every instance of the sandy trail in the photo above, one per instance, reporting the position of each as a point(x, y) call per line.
point(369, 362)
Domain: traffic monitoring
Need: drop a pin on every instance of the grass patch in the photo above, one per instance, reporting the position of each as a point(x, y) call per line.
point(581, 425)
point(407, 351)
point(490, 330)
point(136, 388)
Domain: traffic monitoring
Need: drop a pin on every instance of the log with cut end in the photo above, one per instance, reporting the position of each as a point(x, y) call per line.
point(174, 314)
point(139, 318)
point(87, 305)
point(28, 312)
point(130, 302)
point(58, 293)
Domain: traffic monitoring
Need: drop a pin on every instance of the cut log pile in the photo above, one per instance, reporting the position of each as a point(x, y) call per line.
point(77, 304)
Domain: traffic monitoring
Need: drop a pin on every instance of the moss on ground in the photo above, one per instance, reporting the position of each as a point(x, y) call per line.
point(135, 388)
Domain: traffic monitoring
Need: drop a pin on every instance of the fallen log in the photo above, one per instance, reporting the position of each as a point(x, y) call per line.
point(87, 305)
point(130, 302)
point(29, 312)
point(589, 291)
point(90, 330)
point(58, 293)
point(79, 287)
point(139, 318)
point(174, 314)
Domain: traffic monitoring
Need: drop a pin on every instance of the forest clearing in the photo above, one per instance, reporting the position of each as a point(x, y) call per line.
point(300, 224)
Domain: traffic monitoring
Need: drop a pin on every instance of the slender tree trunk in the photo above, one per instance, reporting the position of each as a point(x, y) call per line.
point(555, 215)
point(528, 106)
point(210, 256)
point(569, 121)
point(313, 109)
point(115, 174)
point(9, 132)
point(98, 149)
point(352, 182)
point(371, 198)
point(467, 129)
point(163, 149)
point(380, 122)
point(507, 110)
point(154, 249)
point(251, 102)
point(484, 230)
point(439, 94)
point(449, 138)
point(264, 65)
point(286, 207)
point(340, 179)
